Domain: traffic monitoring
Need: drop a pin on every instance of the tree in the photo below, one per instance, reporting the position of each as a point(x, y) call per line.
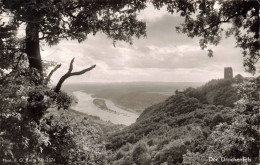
point(210, 20)
point(170, 160)
point(140, 154)
point(52, 20)
point(25, 95)
point(239, 78)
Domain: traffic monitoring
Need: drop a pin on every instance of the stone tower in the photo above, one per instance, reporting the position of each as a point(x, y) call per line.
point(228, 73)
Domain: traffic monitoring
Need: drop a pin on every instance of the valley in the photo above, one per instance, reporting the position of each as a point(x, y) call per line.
point(177, 130)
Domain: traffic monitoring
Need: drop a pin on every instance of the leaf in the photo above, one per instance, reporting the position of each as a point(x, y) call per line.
point(210, 53)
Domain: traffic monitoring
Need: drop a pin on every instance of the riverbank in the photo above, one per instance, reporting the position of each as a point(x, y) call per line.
point(85, 105)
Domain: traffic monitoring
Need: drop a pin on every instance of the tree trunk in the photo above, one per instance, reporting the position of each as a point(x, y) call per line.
point(33, 46)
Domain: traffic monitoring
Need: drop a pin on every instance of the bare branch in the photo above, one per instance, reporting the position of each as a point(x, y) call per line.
point(47, 80)
point(70, 73)
point(71, 65)
point(83, 71)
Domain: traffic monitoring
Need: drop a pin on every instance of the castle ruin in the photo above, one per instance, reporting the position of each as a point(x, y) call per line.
point(228, 73)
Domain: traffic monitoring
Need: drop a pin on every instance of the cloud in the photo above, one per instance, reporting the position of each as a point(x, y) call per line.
point(150, 14)
point(163, 56)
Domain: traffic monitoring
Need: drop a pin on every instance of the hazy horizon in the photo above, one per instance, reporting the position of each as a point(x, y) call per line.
point(116, 82)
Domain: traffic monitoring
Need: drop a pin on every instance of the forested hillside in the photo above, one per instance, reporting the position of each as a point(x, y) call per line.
point(216, 92)
point(181, 129)
point(167, 130)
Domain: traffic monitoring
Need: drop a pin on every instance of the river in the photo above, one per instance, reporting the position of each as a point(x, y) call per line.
point(85, 105)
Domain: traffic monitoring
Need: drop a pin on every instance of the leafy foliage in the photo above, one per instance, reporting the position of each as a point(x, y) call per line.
point(23, 104)
point(76, 19)
point(216, 92)
point(74, 139)
point(168, 130)
point(182, 130)
point(140, 155)
point(10, 46)
point(31, 131)
point(53, 20)
point(241, 137)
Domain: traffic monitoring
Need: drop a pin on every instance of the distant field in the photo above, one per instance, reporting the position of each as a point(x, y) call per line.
point(133, 96)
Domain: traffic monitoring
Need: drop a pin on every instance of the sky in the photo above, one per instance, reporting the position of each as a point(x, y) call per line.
point(162, 56)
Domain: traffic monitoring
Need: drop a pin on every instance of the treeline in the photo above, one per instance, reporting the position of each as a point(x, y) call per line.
point(216, 92)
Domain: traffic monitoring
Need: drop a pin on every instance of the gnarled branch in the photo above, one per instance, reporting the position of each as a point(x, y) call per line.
point(47, 80)
point(70, 73)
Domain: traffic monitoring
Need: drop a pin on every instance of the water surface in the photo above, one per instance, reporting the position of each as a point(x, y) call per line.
point(85, 105)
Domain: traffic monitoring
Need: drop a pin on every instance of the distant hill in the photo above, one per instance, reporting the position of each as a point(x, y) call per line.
point(164, 132)
point(132, 100)
point(133, 96)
